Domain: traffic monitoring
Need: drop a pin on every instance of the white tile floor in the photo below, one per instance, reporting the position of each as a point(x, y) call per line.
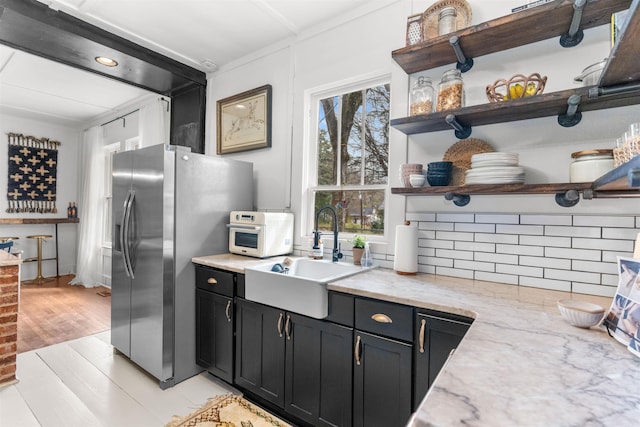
point(83, 383)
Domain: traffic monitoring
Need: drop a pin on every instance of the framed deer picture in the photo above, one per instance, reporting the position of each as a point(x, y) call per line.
point(244, 121)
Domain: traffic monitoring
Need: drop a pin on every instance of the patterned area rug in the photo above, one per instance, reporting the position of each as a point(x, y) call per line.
point(228, 411)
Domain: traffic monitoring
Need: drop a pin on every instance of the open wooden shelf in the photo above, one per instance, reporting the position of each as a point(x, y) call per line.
point(543, 105)
point(493, 189)
point(517, 29)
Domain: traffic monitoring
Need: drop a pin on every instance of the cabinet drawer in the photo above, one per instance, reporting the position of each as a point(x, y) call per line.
point(340, 309)
point(217, 281)
point(384, 318)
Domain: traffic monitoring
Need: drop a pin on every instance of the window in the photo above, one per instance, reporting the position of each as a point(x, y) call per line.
point(351, 158)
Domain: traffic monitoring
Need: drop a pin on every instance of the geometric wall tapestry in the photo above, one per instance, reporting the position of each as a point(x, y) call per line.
point(31, 185)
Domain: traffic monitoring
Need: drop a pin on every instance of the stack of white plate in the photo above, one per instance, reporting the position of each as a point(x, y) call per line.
point(495, 168)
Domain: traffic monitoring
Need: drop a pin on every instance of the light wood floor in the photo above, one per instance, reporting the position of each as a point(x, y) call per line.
point(55, 312)
point(83, 383)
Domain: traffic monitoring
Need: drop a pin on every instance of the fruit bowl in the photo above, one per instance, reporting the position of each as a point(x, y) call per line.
point(517, 86)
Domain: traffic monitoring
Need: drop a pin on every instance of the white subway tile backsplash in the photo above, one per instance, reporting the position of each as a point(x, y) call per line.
point(453, 235)
point(584, 254)
point(561, 252)
point(603, 244)
point(572, 276)
point(520, 270)
point(520, 229)
point(475, 246)
point(572, 231)
point(445, 253)
point(473, 265)
point(442, 262)
point(495, 277)
point(610, 279)
point(545, 219)
point(429, 243)
point(475, 228)
point(497, 219)
point(496, 238)
point(454, 217)
point(536, 282)
point(603, 221)
point(419, 216)
point(561, 242)
point(520, 250)
point(500, 258)
point(586, 288)
point(455, 272)
point(595, 267)
point(443, 226)
point(620, 233)
point(546, 262)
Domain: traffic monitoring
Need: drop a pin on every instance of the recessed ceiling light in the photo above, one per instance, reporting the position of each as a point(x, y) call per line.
point(106, 61)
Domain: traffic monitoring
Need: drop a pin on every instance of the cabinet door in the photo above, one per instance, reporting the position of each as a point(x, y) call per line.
point(214, 333)
point(260, 350)
point(381, 381)
point(435, 338)
point(318, 371)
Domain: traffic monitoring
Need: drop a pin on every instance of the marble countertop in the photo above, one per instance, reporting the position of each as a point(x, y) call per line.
point(7, 259)
point(519, 364)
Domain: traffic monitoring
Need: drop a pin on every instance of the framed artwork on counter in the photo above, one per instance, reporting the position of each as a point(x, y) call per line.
point(244, 121)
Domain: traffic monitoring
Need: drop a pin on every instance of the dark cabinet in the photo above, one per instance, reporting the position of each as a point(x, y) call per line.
point(260, 350)
point(318, 371)
point(436, 337)
point(215, 321)
point(381, 381)
point(298, 363)
point(382, 372)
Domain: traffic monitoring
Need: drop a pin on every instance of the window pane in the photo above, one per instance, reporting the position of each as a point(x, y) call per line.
point(327, 141)
point(377, 135)
point(360, 212)
point(351, 155)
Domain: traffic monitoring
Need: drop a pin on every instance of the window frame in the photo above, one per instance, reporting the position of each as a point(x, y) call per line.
point(310, 172)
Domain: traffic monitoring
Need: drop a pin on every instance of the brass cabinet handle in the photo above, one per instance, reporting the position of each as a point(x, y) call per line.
point(227, 311)
point(422, 325)
point(287, 327)
point(357, 350)
point(381, 318)
point(212, 281)
point(280, 324)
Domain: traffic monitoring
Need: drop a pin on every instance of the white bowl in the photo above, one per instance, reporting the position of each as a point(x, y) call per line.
point(416, 180)
point(579, 313)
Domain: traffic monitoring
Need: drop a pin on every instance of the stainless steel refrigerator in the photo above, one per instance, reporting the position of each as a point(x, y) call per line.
point(169, 205)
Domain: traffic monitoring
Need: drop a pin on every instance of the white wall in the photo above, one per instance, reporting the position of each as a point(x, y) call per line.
point(360, 47)
point(67, 191)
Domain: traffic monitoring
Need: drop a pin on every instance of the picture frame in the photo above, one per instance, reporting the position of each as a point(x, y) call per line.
point(244, 121)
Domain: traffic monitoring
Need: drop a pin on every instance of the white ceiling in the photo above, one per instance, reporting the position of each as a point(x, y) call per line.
point(204, 34)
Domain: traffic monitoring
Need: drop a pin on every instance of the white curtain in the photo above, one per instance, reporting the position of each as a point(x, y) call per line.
point(154, 123)
point(90, 211)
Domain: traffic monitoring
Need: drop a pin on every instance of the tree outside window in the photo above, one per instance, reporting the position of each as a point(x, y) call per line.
point(353, 153)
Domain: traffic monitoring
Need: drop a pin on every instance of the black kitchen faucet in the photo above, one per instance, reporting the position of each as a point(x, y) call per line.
point(336, 254)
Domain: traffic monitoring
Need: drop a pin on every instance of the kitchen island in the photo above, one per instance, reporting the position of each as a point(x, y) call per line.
point(519, 364)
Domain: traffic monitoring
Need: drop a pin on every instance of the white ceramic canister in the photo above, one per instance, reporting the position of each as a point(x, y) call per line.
point(589, 165)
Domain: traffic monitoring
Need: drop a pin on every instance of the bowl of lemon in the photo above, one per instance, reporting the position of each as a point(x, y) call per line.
point(517, 86)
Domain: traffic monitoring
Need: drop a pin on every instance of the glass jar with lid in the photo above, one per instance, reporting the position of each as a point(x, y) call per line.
point(421, 97)
point(450, 91)
point(447, 22)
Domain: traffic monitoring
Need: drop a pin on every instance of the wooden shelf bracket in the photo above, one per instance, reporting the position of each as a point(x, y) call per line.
point(461, 130)
point(575, 34)
point(572, 117)
point(464, 64)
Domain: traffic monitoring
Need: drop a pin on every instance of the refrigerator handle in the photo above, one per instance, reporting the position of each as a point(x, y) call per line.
point(124, 234)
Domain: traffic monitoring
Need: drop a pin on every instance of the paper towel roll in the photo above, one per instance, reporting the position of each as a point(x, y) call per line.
point(406, 254)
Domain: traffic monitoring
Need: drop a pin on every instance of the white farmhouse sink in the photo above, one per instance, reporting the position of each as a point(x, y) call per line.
point(302, 289)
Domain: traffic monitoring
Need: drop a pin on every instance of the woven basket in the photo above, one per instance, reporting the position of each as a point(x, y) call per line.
point(516, 87)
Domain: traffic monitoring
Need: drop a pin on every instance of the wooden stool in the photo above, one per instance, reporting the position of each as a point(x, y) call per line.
point(39, 278)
